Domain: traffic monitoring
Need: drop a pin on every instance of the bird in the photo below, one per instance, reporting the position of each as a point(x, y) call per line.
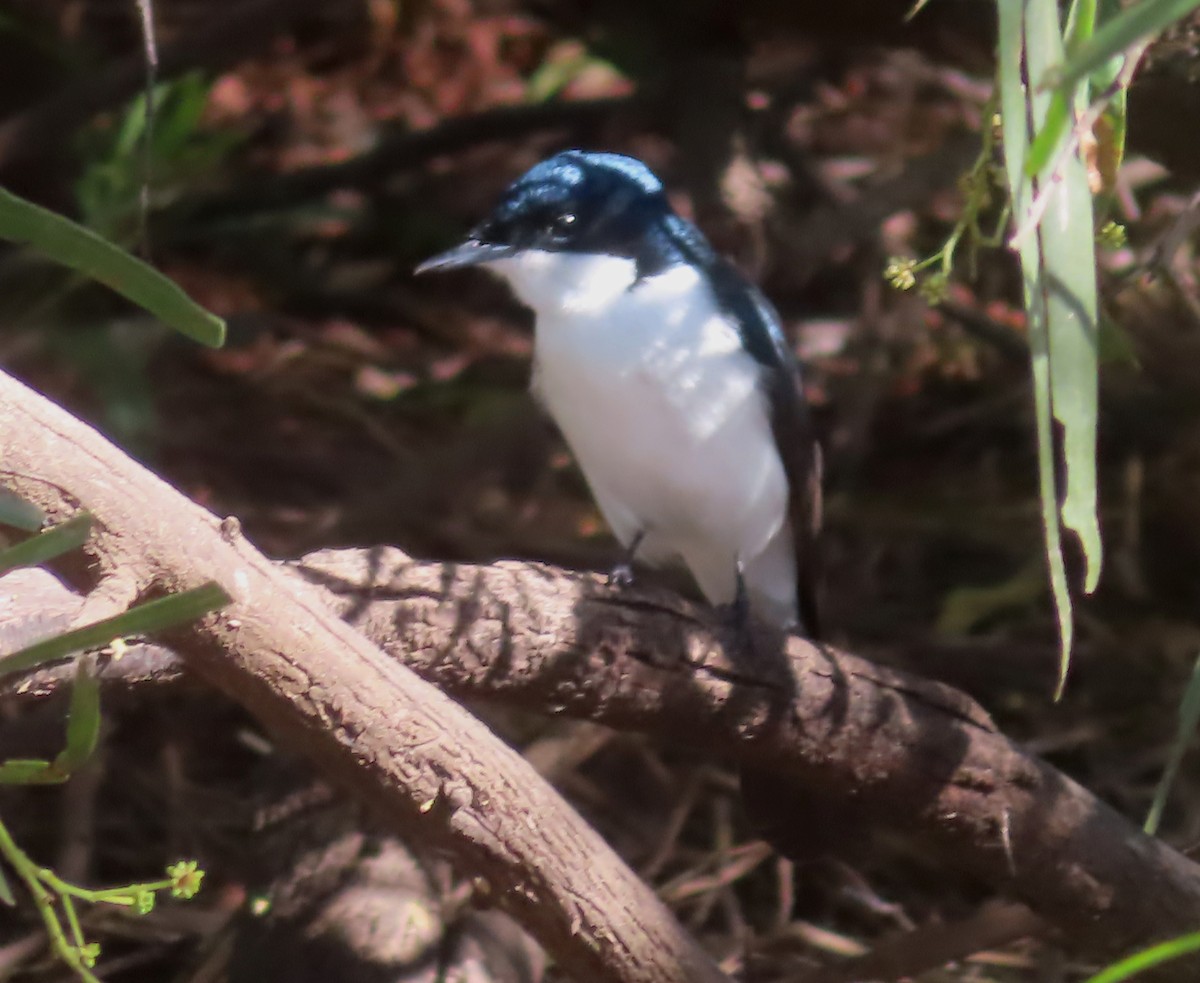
point(669, 376)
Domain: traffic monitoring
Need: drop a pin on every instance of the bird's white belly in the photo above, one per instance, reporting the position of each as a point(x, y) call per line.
point(663, 409)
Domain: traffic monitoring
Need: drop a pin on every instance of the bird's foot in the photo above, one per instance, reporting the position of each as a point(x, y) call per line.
point(739, 633)
point(621, 575)
point(738, 621)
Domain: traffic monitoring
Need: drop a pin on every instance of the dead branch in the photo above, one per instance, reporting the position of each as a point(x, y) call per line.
point(438, 774)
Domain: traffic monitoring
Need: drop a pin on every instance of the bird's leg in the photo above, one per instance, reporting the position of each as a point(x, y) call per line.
point(741, 602)
point(622, 574)
point(739, 619)
point(736, 614)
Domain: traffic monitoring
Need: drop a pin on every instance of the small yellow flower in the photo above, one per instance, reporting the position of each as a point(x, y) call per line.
point(901, 273)
point(185, 878)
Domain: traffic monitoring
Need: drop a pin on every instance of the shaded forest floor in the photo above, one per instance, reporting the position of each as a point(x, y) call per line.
point(354, 405)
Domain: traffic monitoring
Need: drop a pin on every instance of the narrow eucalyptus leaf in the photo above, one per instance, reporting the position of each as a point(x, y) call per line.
point(1134, 24)
point(27, 771)
point(63, 538)
point(1047, 483)
point(152, 616)
point(1156, 955)
point(1081, 24)
point(18, 513)
point(81, 249)
point(1052, 212)
point(83, 720)
point(1066, 235)
point(1189, 720)
point(167, 612)
point(1013, 126)
point(1066, 241)
point(1050, 137)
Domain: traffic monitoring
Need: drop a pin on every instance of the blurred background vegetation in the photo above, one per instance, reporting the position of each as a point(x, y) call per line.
point(303, 156)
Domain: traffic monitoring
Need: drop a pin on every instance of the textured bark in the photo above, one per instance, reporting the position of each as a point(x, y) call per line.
point(896, 751)
point(436, 772)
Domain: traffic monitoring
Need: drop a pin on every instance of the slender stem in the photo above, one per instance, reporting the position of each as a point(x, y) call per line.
point(68, 907)
point(43, 898)
point(49, 892)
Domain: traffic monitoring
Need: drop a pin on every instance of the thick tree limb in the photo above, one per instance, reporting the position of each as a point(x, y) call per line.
point(437, 773)
point(914, 755)
point(903, 753)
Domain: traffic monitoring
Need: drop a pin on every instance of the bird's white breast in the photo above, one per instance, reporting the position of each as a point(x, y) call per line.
point(664, 411)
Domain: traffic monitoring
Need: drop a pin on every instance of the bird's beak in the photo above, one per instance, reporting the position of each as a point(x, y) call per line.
point(470, 253)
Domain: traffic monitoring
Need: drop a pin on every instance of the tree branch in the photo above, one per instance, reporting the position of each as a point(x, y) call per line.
point(437, 773)
point(902, 753)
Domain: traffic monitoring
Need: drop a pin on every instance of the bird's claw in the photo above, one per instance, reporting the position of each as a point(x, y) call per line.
point(621, 575)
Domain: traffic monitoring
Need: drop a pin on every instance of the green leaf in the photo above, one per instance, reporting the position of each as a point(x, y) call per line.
point(1112, 140)
point(152, 616)
point(1148, 958)
point(1052, 211)
point(1136, 23)
point(1102, 76)
point(561, 67)
point(83, 720)
point(26, 771)
point(1066, 235)
point(83, 732)
point(1081, 24)
point(1014, 117)
point(1050, 137)
point(18, 513)
point(6, 894)
point(63, 538)
point(81, 249)
point(966, 607)
point(1189, 719)
point(1013, 122)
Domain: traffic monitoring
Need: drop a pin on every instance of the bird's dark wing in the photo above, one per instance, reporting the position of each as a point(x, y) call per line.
point(673, 240)
point(791, 421)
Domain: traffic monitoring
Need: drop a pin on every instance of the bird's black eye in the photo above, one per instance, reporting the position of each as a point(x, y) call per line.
point(561, 226)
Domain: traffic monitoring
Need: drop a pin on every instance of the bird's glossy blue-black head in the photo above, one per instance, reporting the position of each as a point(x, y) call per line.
point(576, 201)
